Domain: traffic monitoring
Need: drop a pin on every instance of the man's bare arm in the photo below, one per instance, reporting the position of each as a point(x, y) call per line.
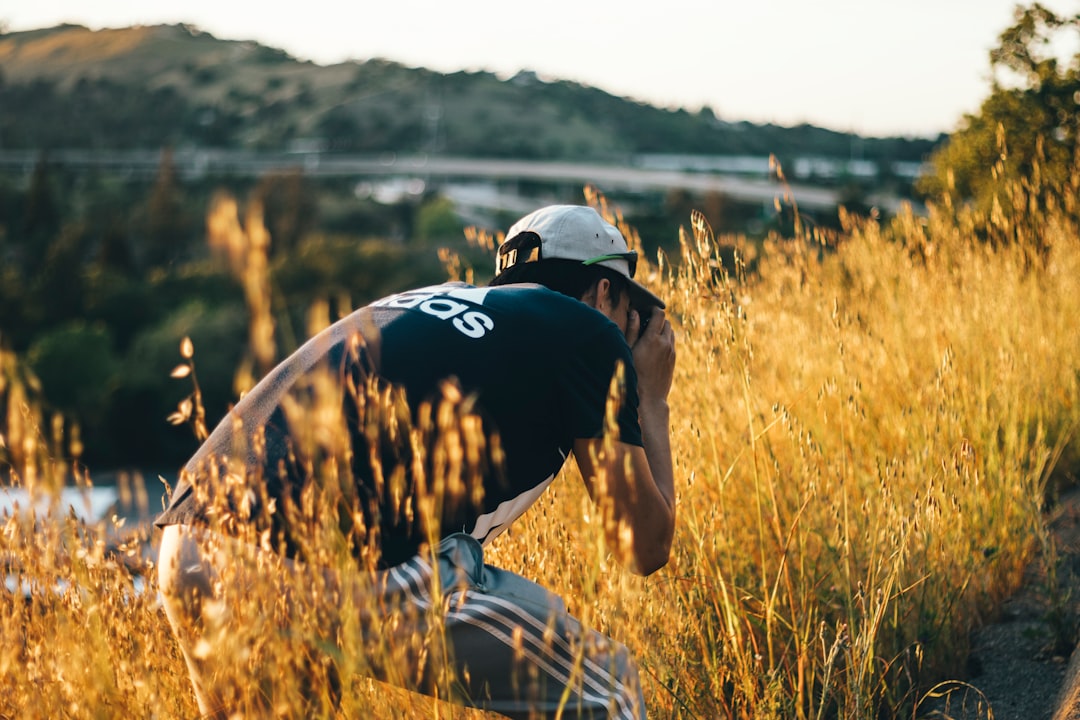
point(639, 521)
point(635, 486)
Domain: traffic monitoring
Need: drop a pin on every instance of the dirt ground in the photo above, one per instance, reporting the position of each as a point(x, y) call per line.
point(1023, 665)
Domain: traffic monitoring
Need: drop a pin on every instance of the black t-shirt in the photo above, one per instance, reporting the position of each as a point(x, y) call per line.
point(538, 364)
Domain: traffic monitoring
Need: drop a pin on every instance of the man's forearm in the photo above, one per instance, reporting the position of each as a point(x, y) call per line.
point(654, 418)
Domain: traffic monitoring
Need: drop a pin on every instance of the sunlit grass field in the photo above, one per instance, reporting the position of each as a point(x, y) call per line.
point(867, 427)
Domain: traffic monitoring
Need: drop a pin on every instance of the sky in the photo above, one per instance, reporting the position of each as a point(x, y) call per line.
point(872, 67)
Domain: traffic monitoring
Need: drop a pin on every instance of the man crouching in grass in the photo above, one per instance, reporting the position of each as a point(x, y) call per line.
point(460, 406)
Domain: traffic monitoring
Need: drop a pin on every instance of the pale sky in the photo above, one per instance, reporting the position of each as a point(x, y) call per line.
point(874, 67)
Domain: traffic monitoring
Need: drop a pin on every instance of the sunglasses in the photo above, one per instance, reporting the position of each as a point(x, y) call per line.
point(629, 257)
point(525, 248)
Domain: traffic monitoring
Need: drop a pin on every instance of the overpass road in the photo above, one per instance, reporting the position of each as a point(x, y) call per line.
point(199, 163)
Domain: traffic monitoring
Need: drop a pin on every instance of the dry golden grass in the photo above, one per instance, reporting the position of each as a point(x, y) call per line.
point(863, 430)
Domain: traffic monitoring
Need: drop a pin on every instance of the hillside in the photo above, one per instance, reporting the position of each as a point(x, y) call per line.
point(71, 87)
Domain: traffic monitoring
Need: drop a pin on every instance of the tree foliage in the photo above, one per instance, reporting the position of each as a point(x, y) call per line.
point(1027, 127)
point(76, 365)
point(101, 279)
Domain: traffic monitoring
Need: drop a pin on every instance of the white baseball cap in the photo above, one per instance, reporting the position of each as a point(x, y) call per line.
point(572, 232)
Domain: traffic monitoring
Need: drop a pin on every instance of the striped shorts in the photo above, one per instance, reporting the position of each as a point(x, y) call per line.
point(511, 647)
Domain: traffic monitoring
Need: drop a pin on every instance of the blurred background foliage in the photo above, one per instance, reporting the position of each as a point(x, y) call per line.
point(101, 280)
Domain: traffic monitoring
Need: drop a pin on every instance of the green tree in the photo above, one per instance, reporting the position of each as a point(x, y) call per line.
point(1027, 127)
point(57, 291)
point(77, 369)
point(437, 222)
point(114, 251)
point(41, 216)
point(289, 207)
point(167, 226)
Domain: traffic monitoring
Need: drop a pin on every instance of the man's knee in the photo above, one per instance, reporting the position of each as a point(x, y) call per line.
point(184, 577)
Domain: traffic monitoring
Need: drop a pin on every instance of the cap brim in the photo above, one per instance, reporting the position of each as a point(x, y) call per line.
point(641, 298)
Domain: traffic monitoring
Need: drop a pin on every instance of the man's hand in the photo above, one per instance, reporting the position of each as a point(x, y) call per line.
point(654, 354)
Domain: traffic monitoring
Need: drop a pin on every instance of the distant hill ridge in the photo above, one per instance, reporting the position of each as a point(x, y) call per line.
point(150, 86)
point(67, 52)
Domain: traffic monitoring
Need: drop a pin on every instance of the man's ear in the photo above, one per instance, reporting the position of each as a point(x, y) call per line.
point(603, 292)
point(595, 294)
